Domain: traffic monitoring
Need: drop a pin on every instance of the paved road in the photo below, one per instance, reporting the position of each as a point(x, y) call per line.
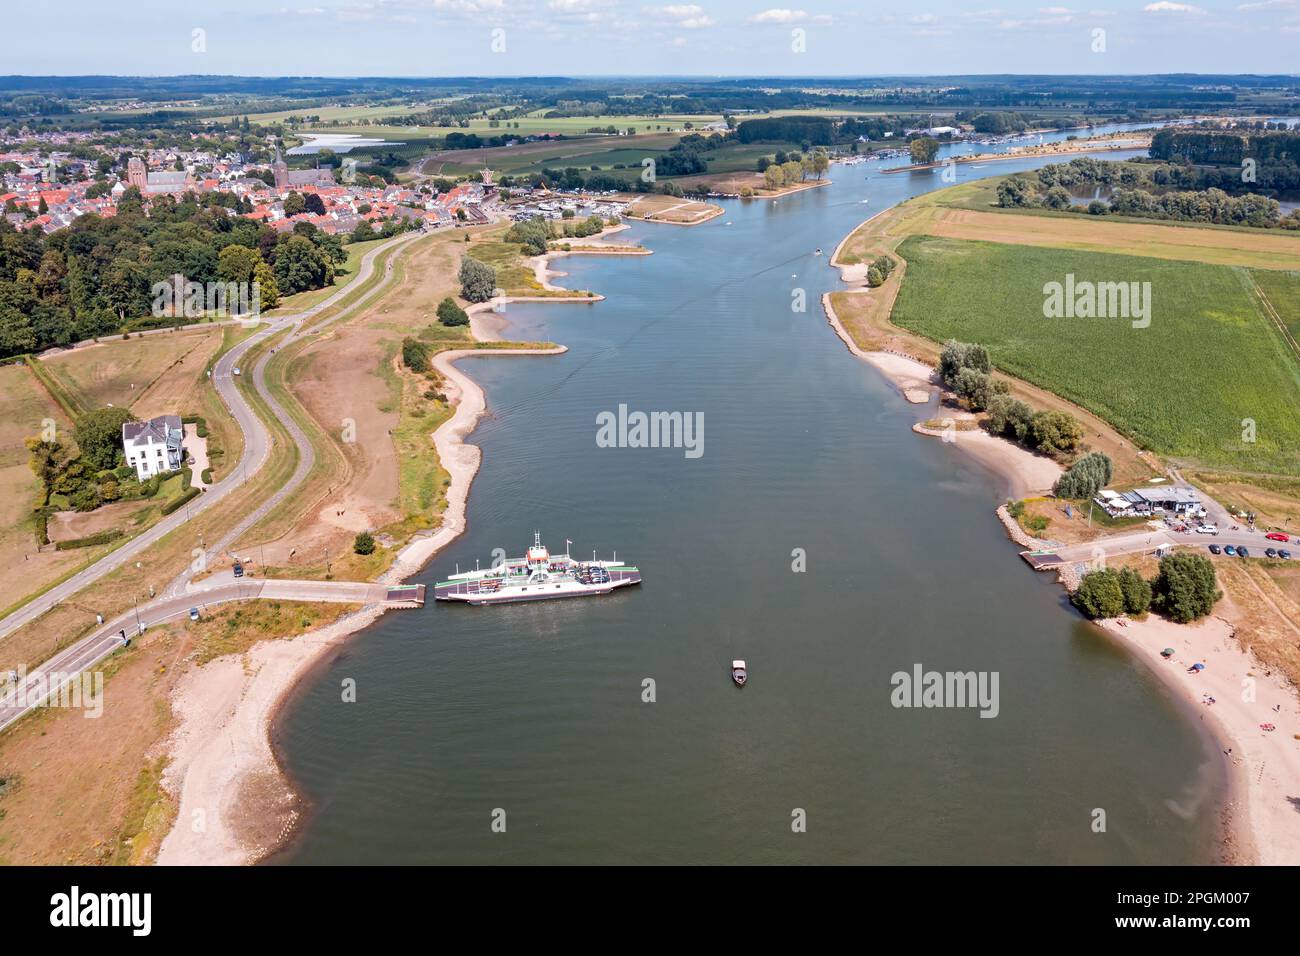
point(1135, 542)
point(256, 449)
point(181, 594)
point(39, 684)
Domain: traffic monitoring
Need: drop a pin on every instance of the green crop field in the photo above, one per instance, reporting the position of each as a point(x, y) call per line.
point(1283, 290)
point(1181, 387)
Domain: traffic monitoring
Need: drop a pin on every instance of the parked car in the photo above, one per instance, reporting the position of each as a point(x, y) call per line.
point(1215, 549)
point(194, 614)
point(1270, 553)
point(239, 570)
point(1276, 536)
point(1284, 554)
point(1242, 552)
point(1207, 529)
point(1229, 550)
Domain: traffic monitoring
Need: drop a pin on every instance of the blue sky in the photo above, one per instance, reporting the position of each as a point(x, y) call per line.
point(586, 37)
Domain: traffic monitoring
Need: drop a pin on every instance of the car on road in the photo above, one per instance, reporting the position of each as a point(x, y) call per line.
point(239, 570)
point(236, 370)
point(1229, 550)
point(1207, 529)
point(194, 614)
point(1242, 552)
point(1276, 536)
point(1284, 554)
point(1215, 549)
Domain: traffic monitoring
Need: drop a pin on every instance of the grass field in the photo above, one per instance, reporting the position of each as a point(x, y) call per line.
point(120, 372)
point(1182, 387)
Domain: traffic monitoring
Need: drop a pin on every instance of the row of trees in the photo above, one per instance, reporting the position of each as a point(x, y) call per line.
point(1185, 589)
point(1148, 191)
point(967, 370)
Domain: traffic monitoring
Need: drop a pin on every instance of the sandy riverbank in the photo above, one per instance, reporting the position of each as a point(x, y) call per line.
point(1263, 804)
point(1023, 471)
point(235, 804)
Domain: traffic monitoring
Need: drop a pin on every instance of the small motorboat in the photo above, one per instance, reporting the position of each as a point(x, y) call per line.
point(738, 673)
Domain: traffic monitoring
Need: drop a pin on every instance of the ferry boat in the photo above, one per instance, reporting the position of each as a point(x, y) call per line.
point(537, 576)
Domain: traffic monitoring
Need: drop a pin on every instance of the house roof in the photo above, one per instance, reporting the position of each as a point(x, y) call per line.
point(165, 429)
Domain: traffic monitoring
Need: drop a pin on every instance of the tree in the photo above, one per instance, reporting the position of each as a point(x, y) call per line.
point(773, 177)
point(956, 356)
point(299, 265)
point(314, 204)
point(1056, 432)
point(1099, 594)
point(294, 204)
point(924, 149)
point(364, 543)
point(451, 314)
point(977, 388)
point(1186, 587)
point(1137, 591)
point(478, 280)
point(1085, 477)
point(415, 355)
point(1010, 417)
point(99, 436)
point(267, 289)
point(46, 459)
point(236, 263)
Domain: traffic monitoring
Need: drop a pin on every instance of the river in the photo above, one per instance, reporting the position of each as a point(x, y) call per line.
point(537, 710)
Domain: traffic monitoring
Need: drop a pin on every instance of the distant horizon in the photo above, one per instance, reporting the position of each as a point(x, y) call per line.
point(632, 76)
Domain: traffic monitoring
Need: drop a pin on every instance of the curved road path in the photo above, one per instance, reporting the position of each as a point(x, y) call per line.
point(257, 447)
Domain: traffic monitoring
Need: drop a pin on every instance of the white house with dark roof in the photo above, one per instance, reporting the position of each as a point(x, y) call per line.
point(154, 447)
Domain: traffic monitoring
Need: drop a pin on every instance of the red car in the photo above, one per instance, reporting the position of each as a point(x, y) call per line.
point(1276, 536)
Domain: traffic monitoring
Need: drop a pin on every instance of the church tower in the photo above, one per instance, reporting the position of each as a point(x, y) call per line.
point(280, 169)
point(136, 174)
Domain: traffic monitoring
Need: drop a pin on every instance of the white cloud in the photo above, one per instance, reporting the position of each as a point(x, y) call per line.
point(778, 15)
point(1164, 6)
point(687, 16)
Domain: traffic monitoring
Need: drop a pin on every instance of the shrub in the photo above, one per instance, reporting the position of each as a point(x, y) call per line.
point(1186, 587)
point(89, 541)
point(364, 543)
point(415, 355)
point(1010, 417)
point(1099, 594)
point(1056, 432)
point(451, 314)
point(1085, 477)
point(1137, 591)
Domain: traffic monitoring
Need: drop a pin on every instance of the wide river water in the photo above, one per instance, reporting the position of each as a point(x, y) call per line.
point(537, 710)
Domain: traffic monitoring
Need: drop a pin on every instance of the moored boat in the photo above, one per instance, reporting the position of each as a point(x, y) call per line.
point(538, 576)
point(739, 673)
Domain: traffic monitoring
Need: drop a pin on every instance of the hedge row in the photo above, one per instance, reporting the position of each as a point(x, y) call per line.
point(103, 537)
point(187, 495)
